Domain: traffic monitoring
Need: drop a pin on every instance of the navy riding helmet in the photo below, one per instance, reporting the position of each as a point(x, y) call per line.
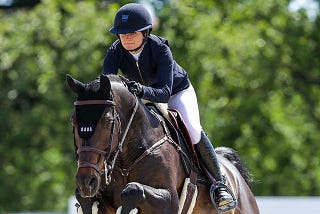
point(131, 18)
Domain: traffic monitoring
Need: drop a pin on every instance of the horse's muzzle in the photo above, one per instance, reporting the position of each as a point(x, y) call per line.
point(88, 184)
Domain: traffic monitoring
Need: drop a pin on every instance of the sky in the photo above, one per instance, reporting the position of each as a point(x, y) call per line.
point(5, 2)
point(311, 6)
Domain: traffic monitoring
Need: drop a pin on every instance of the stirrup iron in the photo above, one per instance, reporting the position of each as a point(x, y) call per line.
point(226, 207)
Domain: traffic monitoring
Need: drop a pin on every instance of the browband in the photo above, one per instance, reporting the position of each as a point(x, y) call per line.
point(94, 102)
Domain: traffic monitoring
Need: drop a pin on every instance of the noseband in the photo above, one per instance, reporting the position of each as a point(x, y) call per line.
point(108, 168)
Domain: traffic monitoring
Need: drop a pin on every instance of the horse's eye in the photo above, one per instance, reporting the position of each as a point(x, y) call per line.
point(108, 116)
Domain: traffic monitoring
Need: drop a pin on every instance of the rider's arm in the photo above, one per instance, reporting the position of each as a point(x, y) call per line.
point(111, 60)
point(160, 92)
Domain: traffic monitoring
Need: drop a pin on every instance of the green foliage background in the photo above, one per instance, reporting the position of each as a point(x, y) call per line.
point(255, 66)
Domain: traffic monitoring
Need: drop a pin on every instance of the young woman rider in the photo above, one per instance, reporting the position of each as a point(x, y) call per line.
point(147, 61)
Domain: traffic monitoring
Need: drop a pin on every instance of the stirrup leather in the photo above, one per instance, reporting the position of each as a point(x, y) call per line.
point(226, 207)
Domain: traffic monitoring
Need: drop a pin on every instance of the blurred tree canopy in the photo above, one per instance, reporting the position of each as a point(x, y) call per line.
point(255, 66)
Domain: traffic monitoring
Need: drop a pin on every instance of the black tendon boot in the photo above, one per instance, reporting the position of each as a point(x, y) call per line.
point(221, 196)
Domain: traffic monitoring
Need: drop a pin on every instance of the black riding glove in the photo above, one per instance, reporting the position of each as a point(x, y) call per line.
point(135, 88)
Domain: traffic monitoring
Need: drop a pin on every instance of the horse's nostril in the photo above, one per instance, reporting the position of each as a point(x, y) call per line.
point(88, 184)
point(92, 182)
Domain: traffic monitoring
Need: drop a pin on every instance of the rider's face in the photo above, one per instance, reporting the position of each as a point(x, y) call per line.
point(131, 41)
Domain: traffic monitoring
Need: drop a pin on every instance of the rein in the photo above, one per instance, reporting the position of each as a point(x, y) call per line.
point(109, 169)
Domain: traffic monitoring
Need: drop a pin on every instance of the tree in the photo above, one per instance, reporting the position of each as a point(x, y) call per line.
point(256, 69)
point(38, 47)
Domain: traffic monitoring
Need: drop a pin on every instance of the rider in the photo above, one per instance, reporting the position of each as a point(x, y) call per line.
point(147, 61)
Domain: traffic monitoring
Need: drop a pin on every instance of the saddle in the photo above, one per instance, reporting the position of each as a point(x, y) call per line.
point(180, 134)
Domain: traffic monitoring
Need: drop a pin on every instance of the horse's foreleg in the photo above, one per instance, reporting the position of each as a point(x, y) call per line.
point(132, 195)
point(85, 203)
point(148, 199)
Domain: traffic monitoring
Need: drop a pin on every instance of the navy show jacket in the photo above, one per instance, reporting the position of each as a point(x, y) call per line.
point(156, 70)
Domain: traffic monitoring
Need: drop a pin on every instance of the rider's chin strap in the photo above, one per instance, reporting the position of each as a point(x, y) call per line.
point(138, 48)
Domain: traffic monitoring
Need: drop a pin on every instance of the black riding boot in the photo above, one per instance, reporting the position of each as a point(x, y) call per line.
point(221, 195)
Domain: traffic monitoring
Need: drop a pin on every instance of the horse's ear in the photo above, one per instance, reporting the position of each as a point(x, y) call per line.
point(104, 83)
point(75, 85)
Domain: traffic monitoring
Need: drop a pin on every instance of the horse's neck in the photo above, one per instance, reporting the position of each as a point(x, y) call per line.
point(133, 148)
point(144, 130)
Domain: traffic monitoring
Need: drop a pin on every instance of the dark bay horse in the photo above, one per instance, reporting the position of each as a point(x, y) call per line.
point(128, 162)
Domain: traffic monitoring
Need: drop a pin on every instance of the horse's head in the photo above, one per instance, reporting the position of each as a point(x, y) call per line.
point(96, 127)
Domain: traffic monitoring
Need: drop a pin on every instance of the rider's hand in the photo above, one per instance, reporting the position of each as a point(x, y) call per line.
point(135, 88)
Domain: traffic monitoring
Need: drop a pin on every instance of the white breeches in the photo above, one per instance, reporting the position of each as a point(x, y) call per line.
point(186, 103)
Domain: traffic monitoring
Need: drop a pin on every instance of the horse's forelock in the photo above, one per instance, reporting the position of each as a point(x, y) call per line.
point(93, 86)
point(92, 91)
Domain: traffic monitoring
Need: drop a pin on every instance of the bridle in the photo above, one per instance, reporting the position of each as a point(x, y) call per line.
point(104, 154)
